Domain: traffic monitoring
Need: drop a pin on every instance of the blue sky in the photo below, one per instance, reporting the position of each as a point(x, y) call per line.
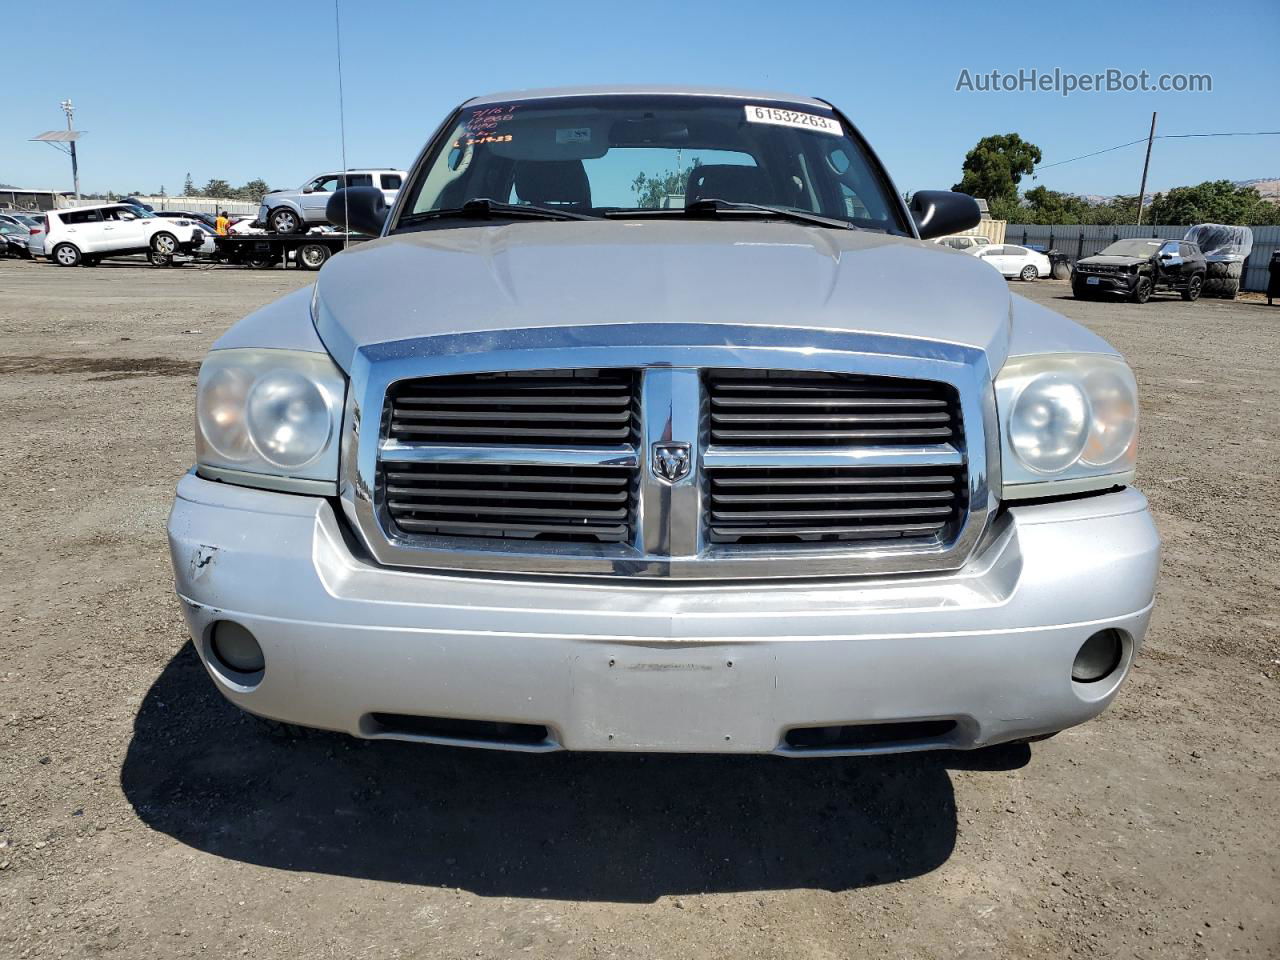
point(240, 89)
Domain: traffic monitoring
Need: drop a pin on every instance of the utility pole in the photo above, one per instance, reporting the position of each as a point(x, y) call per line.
point(70, 110)
point(65, 140)
point(1142, 191)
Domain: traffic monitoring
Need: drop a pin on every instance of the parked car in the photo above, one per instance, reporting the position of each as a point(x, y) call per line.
point(17, 218)
point(758, 472)
point(246, 225)
point(201, 218)
point(294, 211)
point(36, 237)
point(1013, 261)
point(84, 235)
point(13, 240)
point(1135, 269)
point(969, 243)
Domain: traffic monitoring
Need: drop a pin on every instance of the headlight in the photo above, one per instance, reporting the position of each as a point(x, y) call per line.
point(270, 418)
point(1069, 423)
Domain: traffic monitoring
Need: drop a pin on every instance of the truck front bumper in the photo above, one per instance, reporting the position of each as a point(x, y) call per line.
point(965, 659)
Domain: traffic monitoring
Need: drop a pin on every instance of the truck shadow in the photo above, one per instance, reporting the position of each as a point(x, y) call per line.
point(610, 827)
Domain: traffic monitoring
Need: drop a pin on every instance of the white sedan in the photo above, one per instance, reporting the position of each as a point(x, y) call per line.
point(1016, 261)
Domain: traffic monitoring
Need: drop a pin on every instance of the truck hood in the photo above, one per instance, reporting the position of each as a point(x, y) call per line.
point(1097, 260)
point(535, 275)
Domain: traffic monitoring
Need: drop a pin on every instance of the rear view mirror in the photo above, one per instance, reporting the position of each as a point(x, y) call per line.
point(940, 212)
point(358, 209)
point(648, 130)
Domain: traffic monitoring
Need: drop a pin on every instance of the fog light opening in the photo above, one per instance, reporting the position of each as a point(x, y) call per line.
point(1098, 657)
point(236, 650)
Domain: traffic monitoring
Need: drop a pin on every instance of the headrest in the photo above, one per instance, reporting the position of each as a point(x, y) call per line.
point(556, 183)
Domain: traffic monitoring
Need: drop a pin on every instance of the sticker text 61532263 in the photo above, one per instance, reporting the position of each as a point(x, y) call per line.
point(793, 118)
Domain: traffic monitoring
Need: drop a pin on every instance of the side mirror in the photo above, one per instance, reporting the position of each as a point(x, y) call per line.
point(1166, 256)
point(358, 209)
point(940, 212)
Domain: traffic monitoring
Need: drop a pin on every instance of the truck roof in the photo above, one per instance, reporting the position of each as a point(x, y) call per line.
point(665, 90)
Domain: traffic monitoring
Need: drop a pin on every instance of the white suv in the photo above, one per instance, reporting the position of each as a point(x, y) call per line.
point(296, 211)
point(84, 235)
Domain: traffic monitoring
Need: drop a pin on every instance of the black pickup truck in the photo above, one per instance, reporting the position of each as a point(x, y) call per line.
point(1135, 269)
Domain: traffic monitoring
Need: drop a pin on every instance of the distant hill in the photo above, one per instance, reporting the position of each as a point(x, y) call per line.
point(1268, 187)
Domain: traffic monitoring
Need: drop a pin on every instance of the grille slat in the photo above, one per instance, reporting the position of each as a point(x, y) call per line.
point(477, 474)
point(507, 493)
point(787, 498)
point(762, 517)
point(825, 532)
point(796, 409)
point(508, 416)
point(782, 419)
point(834, 404)
point(727, 479)
point(429, 504)
point(821, 504)
point(810, 436)
point(528, 531)
point(568, 436)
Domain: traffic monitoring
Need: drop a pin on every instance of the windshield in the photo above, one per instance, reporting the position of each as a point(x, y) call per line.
point(140, 213)
point(1132, 248)
point(613, 154)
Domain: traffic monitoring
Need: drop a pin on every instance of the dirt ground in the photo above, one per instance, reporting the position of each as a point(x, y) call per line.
point(141, 816)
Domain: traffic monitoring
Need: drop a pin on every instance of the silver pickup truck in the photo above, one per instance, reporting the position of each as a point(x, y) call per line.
point(650, 422)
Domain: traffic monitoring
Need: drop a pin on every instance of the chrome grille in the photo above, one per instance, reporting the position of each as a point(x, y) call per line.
point(518, 472)
point(590, 504)
point(552, 407)
point(834, 504)
point(767, 407)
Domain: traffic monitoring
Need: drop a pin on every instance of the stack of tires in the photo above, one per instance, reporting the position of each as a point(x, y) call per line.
point(1225, 250)
point(1222, 279)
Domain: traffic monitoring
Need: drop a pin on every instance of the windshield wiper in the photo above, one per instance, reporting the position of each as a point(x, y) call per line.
point(715, 207)
point(482, 208)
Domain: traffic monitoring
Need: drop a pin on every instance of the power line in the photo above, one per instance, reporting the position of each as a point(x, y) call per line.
point(1085, 156)
point(1254, 133)
point(1163, 136)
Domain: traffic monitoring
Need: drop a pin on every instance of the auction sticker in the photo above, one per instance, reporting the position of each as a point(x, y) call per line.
point(793, 118)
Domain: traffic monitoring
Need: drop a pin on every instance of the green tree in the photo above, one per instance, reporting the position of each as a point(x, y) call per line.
point(253, 190)
point(1051, 206)
point(217, 189)
point(1214, 201)
point(651, 190)
point(993, 169)
point(188, 186)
